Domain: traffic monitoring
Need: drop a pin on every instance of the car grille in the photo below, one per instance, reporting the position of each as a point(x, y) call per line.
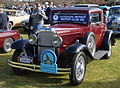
point(114, 25)
point(45, 40)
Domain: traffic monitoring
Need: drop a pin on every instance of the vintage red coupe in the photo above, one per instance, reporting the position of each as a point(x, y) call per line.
point(7, 38)
point(77, 36)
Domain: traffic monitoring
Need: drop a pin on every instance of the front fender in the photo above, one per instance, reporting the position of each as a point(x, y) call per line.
point(67, 55)
point(19, 44)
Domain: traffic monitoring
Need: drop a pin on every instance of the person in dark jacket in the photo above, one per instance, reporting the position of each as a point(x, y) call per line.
point(47, 13)
point(3, 19)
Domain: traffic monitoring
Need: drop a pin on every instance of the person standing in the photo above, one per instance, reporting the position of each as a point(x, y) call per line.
point(38, 17)
point(47, 13)
point(3, 19)
point(105, 15)
point(27, 9)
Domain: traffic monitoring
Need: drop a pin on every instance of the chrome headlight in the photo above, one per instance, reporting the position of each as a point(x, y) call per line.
point(57, 41)
point(33, 38)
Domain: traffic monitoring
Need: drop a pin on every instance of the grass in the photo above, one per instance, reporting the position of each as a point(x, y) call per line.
point(99, 74)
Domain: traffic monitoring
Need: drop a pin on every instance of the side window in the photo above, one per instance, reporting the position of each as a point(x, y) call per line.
point(95, 17)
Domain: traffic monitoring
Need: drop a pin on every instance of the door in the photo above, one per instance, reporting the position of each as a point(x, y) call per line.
point(95, 26)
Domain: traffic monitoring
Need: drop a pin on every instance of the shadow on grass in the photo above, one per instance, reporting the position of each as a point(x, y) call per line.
point(8, 79)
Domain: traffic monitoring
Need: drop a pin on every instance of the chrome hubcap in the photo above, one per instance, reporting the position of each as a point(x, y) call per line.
point(8, 46)
point(80, 68)
point(91, 45)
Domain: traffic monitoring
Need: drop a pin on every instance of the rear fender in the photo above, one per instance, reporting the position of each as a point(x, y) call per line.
point(19, 44)
point(107, 37)
point(66, 56)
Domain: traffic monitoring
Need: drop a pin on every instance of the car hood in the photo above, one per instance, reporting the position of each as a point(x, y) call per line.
point(25, 21)
point(64, 29)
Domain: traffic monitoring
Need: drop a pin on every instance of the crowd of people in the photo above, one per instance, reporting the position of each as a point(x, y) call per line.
point(39, 15)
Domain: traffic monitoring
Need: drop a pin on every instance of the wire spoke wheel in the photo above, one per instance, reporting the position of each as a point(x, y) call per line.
point(78, 68)
point(91, 44)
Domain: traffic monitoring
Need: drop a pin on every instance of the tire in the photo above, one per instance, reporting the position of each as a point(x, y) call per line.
point(90, 42)
point(10, 26)
point(7, 45)
point(15, 58)
point(78, 68)
point(107, 56)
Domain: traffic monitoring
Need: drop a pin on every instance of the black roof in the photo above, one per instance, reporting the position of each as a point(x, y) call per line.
point(78, 8)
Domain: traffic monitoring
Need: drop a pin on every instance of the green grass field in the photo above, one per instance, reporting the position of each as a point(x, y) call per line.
point(99, 74)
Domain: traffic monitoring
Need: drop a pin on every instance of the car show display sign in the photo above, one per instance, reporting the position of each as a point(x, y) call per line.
point(70, 17)
point(48, 62)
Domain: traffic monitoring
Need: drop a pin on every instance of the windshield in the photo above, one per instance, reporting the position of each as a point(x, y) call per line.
point(11, 13)
point(80, 18)
point(114, 11)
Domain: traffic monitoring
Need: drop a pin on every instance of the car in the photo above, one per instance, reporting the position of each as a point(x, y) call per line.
point(114, 18)
point(7, 38)
point(76, 36)
point(16, 17)
point(10, 7)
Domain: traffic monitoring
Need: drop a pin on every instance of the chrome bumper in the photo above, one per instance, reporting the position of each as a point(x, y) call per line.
point(35, 68)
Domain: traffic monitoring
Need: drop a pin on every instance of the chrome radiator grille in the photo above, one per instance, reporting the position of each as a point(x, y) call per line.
point(45, 38)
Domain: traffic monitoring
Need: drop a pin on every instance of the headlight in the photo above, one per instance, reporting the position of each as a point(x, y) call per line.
point(57, 41)
point(33, 38)
point(119, 19)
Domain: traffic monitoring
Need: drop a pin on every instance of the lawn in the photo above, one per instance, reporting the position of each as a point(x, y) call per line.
point(99, 74)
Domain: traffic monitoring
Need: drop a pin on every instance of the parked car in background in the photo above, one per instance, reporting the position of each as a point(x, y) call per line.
point(7, 38)
point(114, 18)
point(76, 37)
point(25, 24)
point(16, 17)
point(10, 7)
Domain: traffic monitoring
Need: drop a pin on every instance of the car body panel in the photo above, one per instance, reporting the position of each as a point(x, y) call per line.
point(16, 17)
point(70, 32)
point(8, 34)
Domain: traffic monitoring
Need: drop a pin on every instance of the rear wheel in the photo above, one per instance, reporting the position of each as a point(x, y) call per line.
point(9, 27)
point(16, 58)
point(109, 51)
point(90, 42)
point(7, 45)
point(78, 68)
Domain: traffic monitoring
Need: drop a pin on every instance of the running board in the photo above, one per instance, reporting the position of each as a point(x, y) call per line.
point(99, 54)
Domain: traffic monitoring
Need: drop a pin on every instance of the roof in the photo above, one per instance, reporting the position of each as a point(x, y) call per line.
point(116, 6)
point(78, 8)
point(85, 5)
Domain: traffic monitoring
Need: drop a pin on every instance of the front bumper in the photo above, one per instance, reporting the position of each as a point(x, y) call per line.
point(35, 68)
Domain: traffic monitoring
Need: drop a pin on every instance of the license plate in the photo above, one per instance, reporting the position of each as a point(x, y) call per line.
point(25, 59)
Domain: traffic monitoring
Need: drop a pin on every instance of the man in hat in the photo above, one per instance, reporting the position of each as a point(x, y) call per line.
point(47, 13)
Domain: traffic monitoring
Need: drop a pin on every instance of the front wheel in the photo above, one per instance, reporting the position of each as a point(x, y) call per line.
point(78, 68)
point(16, 58)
